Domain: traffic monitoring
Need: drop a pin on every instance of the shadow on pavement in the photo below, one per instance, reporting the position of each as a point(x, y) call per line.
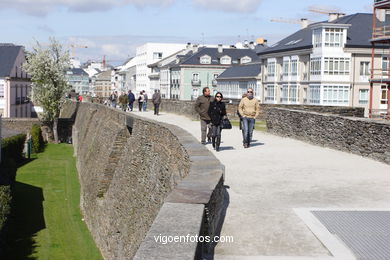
point(25, 221)
point(225, 148)
point(256, 144)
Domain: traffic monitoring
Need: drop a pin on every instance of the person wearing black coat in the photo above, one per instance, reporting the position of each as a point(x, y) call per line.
point(217, 111)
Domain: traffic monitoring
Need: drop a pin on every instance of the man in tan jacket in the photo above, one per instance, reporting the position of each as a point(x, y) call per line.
point(249, 110)
point(202, 107)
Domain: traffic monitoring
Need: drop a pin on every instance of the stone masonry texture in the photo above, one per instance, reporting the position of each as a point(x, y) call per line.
point(361, 136)
point(129, 168)
point(125, 174)
point(187, 108)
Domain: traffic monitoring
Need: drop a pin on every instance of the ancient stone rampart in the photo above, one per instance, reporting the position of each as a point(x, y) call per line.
point(139, 178)
point(363, 136)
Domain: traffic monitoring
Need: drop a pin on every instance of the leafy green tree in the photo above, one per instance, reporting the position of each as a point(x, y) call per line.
point(46, 65)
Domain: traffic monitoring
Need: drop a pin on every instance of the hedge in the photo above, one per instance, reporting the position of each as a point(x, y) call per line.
point(12, 147)
point(5, 201)
point(37, 139)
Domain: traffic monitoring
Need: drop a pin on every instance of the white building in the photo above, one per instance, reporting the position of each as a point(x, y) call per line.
point(150, 53)
point(15, 84)
point(326, 63)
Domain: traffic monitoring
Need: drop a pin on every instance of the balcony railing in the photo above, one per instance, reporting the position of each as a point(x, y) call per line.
point(380, 74)
point(381, 32)
point(195, 82)
point(381, 3)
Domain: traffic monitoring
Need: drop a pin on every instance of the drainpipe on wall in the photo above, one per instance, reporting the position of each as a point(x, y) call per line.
point(353, 78)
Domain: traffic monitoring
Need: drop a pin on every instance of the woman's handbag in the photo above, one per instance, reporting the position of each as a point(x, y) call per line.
point(225, 123)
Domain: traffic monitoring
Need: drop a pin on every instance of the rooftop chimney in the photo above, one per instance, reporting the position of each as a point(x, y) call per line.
point(189, 46)
point(195, 48)
point(381, 15)
point(335, 16)
point(304, 23)
point(220, 48)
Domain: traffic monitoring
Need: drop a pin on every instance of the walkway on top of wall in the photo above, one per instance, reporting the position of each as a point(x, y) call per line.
point(274, 185)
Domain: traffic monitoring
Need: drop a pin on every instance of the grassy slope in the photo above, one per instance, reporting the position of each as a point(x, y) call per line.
point(55, 231)
point(259, 125)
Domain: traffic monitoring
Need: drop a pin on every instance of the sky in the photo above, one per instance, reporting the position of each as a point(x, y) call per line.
point(115, 28)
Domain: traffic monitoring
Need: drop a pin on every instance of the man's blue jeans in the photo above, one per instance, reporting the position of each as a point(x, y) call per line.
point(247, 129)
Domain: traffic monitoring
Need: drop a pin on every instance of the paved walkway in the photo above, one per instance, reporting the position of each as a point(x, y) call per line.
point(277, 175)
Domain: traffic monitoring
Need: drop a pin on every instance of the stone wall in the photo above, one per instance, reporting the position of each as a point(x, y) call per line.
point(20, 124)
point(187, 108)
point(361, 136)
point(136, 176)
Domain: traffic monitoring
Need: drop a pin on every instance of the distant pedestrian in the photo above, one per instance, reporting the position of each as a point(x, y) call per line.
point(140, 101)
point(123, 101)
point(131, 98)
point(145, 104)
point(202, 105)
point(80, 98)
point(113, 98)
point(249, 110)
point(238, 112)
point(217, 111)
point(156, 99)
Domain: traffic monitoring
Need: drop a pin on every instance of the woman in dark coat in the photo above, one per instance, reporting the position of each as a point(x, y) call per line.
point(216, 112)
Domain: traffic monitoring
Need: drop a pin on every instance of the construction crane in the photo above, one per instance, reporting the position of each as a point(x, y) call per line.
point(322, 10)
point(303, 22)
point(74, 46)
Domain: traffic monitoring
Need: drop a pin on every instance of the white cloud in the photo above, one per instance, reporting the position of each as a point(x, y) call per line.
point(242, 6)
point(43, 7)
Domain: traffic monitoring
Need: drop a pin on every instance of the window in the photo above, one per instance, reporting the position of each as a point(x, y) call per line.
point(336, 66)
point(314, 95)
point(364, 68)
point(245, 59)
point(271, 68)
point(294, 67)
point(1, 90)
point(293, 94)
point(315, 66)
point(317, 38)
point(157, 55)
point(363, 96)
point(384, 95)
point(270, 93)
point(286, 67)
point(336, 95)
point(333, 37)
point(226, 60)
point(385, 64)
point(195, 77)
point(205, 59)
point(289, 94)
point(284, 97)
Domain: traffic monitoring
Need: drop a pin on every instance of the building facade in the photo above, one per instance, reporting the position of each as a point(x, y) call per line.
point(235, 81)
point(147, 54)
point(78, 80)
point(201, 69)
point(326, 63)
point(15, 84)
point(102, 84)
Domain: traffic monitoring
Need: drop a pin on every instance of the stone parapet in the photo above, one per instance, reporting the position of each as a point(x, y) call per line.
point(187, 108)
point(362, 136)
point(138, 178)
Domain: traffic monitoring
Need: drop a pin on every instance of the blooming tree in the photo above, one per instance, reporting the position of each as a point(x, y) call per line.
point(46, 65)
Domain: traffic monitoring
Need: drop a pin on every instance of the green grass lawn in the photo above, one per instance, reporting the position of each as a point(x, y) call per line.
point(259, 125)
point(46, 221)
